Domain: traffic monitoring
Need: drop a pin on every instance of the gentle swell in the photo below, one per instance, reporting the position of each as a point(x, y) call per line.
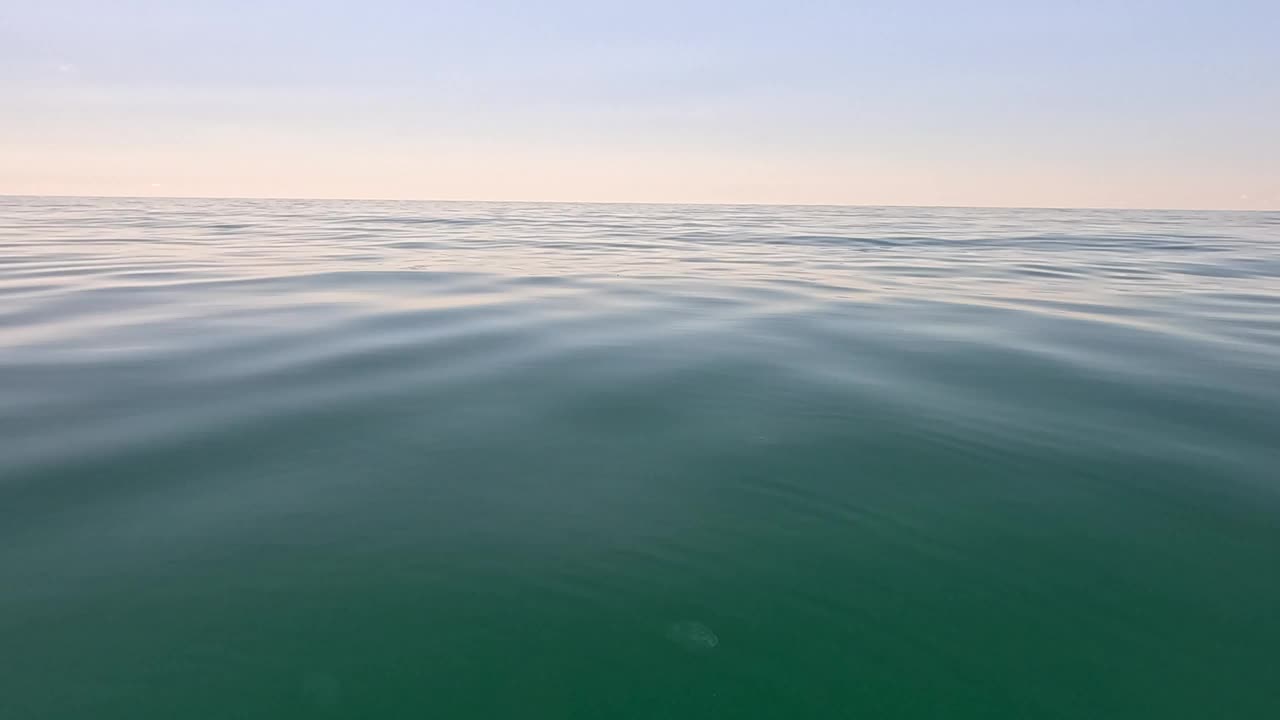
point(898, 451)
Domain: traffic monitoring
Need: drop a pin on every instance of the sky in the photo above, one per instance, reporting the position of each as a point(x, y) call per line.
point(1125, 103)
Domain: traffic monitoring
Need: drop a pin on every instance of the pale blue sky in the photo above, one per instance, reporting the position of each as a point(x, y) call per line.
point(988, 102)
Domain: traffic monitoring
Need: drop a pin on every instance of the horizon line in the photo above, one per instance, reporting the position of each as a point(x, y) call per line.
point(637, 202)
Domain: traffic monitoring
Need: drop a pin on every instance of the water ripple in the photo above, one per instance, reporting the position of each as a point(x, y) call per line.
point(1003, 459)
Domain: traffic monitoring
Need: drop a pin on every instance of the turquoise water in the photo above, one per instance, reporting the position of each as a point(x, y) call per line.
point(285, 459)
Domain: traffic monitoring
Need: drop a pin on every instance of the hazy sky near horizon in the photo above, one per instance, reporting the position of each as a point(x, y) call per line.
point(916, 102)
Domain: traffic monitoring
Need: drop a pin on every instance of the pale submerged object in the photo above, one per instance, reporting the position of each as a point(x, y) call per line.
point(692, 636)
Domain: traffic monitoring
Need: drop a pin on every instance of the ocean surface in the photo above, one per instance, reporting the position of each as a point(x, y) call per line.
point(317, 459)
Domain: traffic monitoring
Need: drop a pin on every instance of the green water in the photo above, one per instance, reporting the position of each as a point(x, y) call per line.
point(274, 459)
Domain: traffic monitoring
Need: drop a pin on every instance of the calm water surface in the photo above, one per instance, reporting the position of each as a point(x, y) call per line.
point(285, 459)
